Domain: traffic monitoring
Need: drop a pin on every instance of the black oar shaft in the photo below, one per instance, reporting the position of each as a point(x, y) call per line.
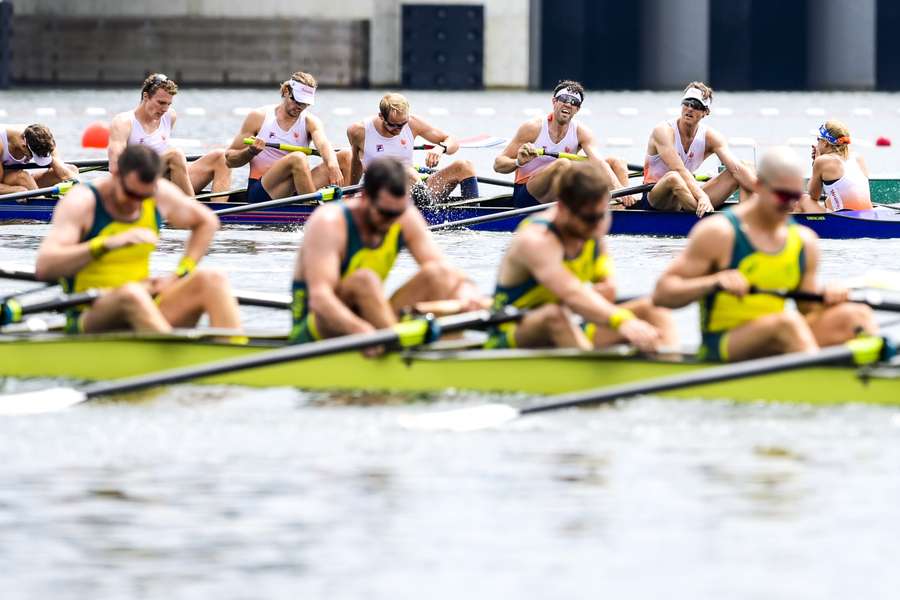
point(350, 189)
point(750, 368)
point(347, 343)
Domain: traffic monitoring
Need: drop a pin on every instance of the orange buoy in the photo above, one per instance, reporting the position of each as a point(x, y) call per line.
point(883, 141)
point(96, 135)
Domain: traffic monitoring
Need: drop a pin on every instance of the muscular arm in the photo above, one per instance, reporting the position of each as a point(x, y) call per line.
point(183, 212)
point(317, 133)
point(320, 259)
point(717, 144)
point(356, 134)
point(239, 153)
point(526, 134)
point(5, 188)
point(62, 253)
point(663, 138)
point(118, 139)
point(692, 274)
point(433, 134)
point(59, 168)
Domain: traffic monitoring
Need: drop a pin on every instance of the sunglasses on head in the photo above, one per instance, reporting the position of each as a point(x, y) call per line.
point(569, 99)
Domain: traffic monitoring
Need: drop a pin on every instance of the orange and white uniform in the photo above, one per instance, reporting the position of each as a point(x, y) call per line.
point(692, 157)
point(568, 144)
point(851, 191)
point(377, 146)
point(297, 135)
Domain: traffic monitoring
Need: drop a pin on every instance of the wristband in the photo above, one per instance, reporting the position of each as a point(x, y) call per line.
point(97, 247)
point(185, 266)
point(518, 165)
point(620, 316)
point(441, 144)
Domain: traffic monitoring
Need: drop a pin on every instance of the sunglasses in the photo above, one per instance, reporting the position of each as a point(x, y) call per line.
point(591, 218)
point(569, 99)
point(393, 126)
point(129, 193)
point(388, 213)
point(787, 196)
point(695, 104)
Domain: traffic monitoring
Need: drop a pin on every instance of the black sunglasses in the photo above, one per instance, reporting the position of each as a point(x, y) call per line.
point(695, 104)
point(569, 99)
point(592, 218)
point(128, 192)
point(393, 126)
point(389, 213)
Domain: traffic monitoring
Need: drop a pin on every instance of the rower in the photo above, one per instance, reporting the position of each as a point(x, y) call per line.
point(392, 133)
point(677, 148)
point(348, 250)
point(757, 244)
point(276, 173)
point(557, 266)
point(102, 236)
point(557, 132)
point(32, 144)
point(151, 124)
point(843, 178)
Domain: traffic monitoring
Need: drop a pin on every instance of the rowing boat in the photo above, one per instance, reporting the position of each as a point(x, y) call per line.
point(882, 222)
point(111, 356)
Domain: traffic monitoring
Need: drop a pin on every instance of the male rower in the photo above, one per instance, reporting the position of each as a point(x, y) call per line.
point(392, 133)
point(348, 250)
point(276, 173)
point(102, 236)
point(558, 267)
point(678, 147)
point(557, 132)
point(757, 246)
point(32, 144)
point(151, 124)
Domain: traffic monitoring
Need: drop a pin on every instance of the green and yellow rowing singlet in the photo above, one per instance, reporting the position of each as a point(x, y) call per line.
point(379, 260)
point(116, 267)
point(721, 312)
point(591, 265)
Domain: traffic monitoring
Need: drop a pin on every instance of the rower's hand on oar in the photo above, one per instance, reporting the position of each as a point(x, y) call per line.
point(629, 201)
point(835, 294)
point(733, 282)
point(335, 175)
point(640, 334)
point(433, 156)
point(257, 146)
point(704, 205)
point(527, 153)
point(131, 237)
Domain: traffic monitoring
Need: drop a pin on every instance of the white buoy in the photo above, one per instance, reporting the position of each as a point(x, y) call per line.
point(45, 111)
point(241, 111)
point(620, 141)
point(342, 111)
point(95, 111)
point(438, 111)
point(485, 111)
point(769, 111)
point(815, 111)
point(628, 111)
point(195, 111)
point(532, 112)
point(722, 111)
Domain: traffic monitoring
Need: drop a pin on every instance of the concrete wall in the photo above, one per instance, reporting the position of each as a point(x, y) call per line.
point(506, 25)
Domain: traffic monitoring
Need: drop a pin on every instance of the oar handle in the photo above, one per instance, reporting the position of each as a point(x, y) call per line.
point(58, 189)
point(565, 155)
point(873, 299)
point(284, 147)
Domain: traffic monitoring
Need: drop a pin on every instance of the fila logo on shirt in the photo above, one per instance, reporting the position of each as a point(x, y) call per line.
point(379, 148)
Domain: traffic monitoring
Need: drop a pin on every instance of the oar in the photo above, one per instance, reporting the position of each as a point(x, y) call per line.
point(861, 351)
point(323, 195)
point(17, 273)
point(58, 189)
point(488, 180)
point(101, 163)
point(873, 299)
point(211, 195)
point(565, 155)
point(506, 214)
point(470, 201)
point(407, 334)
point(478, 141)
point(285, 147)
point(12, 310)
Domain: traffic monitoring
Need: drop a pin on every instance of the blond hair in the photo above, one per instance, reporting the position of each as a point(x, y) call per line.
point(300, 77)
point(704, 89)
point(841, 132)
point(158, 81)
point(393, 102)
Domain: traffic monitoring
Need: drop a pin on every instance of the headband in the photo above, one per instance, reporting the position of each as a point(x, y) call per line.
point(41, 161)
point(302, 93)
point(569, 92)
point(829, 137)
point(696, 94)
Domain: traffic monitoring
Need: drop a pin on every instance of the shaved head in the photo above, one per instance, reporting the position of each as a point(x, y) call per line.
point(779, 163)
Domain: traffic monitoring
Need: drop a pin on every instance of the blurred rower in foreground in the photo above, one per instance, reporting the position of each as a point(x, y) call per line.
point(557, 266)
point(348, 251)
point(102, 236)
point(757, 246)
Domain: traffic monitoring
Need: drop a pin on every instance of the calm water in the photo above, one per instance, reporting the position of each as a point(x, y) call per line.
point(233, 493)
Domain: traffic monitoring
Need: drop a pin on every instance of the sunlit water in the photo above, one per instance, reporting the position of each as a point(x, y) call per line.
point(234, 493)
